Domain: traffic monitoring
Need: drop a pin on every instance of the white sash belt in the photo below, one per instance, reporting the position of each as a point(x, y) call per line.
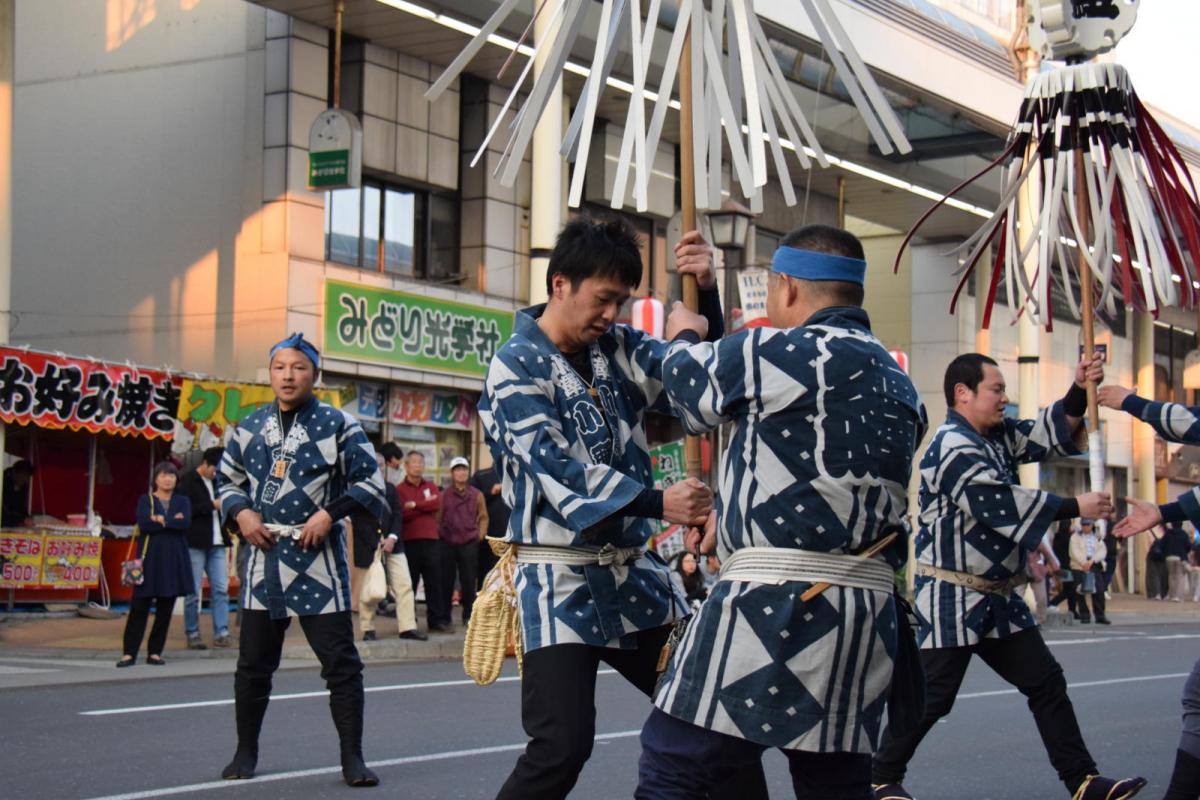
point(577, 556)
point(778, 565)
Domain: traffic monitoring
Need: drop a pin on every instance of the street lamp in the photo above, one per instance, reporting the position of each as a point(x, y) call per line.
point(730, 229)
point(730, 225)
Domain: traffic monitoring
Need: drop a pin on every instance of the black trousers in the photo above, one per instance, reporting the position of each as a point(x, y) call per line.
point(1025, 662)
point(1156, 579)
point(558, 712)
point(463, 559)
point(425, 561)
point(1097, 596)
point(135, 624)
point(331, 637)
point(681, 761)
point(1067, 592)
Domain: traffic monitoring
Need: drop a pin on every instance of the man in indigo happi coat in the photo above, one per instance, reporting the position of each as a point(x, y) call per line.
point(1174, 422)
point(292, 471)
point(825, 430)
point(563, 411)
point(977, 529)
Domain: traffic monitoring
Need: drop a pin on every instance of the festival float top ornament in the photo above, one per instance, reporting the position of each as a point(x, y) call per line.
point(1095, 168)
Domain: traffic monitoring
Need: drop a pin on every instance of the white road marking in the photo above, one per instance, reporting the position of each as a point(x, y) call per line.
point(508, 748)
point(7, 670)
point(1081, 684)
point(1124, 638)
point(308, 773)
point(106, 712)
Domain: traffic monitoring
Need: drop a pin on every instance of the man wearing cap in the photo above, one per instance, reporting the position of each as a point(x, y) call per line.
point(292, 471)
point(825, 427)
point(462, 524)
point(978, 526)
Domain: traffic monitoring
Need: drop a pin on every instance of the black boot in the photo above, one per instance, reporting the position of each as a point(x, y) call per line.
point(250, 713)
point(347, 713)
point(1185, 780)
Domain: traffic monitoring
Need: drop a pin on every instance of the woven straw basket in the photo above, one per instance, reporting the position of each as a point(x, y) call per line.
point(494, 625)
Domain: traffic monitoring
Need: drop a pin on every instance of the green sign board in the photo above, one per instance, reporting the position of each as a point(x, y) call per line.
point(667, 467)
point(330, 168)
point(400, 329)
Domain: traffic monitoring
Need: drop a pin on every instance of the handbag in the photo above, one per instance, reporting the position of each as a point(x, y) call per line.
point(132, 571)
point(374, 587)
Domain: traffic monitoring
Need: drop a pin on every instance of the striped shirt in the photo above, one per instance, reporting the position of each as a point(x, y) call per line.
point(975, 518)
point(569, 461)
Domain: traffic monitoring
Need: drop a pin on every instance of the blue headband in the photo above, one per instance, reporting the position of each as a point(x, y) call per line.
point(297, 342)
point(810, 265)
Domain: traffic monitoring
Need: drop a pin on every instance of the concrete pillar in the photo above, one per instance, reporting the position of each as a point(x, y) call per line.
point(1143, 438)
point(546, 201)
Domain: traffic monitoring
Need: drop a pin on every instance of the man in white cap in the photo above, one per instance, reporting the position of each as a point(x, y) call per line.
point(462, 523)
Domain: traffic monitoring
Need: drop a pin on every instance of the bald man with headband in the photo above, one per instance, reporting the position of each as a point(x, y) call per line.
point(825, 427)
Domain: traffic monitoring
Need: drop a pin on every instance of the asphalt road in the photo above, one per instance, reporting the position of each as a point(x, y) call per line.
point(90, 732)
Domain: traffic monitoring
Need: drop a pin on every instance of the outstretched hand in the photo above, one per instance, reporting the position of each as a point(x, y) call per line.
point(1113, 396)
point(1142, 516)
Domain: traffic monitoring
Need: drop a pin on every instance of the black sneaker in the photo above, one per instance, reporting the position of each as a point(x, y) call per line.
point(890, 791)
point(368, 636)
point(196, 643)
point(447, 628)
point(415, 635)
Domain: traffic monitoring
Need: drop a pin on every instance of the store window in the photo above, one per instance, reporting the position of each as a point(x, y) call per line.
point(394, 229)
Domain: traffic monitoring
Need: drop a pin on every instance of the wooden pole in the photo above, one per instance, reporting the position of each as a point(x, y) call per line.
point(687, 207)
point(1085, 286)
point(339, 10)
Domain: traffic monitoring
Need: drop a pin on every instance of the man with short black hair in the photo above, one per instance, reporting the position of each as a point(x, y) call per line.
point(563, 409)
point(392, 454)
point(977, 528)
point(824, 431)
point(208, 544)
point(292, 471)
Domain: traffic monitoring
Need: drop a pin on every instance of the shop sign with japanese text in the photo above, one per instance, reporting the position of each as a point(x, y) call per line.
point(399, 329)
point(437, 409)
point(53, 391)
point(668, 467)
point(20, 559)
point(71, 562)
point(208, 408)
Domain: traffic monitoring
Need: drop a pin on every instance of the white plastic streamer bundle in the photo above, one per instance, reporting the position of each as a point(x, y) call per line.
point(740, 98)
point(1140, 232)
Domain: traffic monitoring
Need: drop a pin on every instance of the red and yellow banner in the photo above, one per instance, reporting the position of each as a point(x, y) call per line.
point(21, 558)
point(36, 559)
point(53, 391)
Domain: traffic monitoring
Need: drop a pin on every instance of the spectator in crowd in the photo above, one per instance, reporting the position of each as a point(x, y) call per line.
point(1087, 561)
point(420, 500)
point(392, 456)
point(687, 578)
point(1040, 566)
point(710, 568)
point(163, 517)
point(462, 524)
point(1176, 544)
point(1112, 546)
point(1156, 566)
point(395, 565)
point(15, 513)
point(1066, 578)
point(365, 532)
point(208, 547)
point(489, 482)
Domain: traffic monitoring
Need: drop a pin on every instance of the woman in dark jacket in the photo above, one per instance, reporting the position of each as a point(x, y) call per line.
point(688, 579)
point(163, 519)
